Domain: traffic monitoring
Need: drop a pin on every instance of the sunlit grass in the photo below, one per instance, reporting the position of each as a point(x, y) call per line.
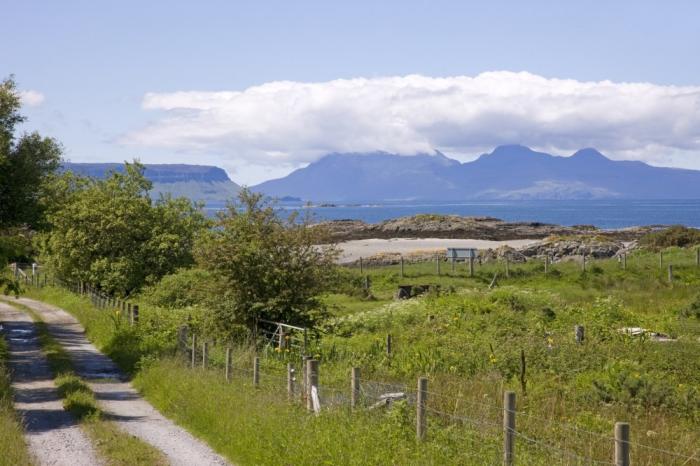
point(468, 340)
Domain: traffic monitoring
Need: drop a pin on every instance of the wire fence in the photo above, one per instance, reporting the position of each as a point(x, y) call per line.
point(534, 437)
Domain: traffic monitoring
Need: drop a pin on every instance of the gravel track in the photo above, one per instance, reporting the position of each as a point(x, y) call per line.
point(117, 398)
point(53, 435)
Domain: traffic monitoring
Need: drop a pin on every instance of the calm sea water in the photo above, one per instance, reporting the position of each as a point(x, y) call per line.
point(603, 214)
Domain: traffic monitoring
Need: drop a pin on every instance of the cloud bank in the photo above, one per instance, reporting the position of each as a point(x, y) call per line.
point(291, 123)
point(31, 98)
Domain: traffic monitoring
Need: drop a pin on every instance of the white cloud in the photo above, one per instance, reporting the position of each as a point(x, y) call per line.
point(31, 98)
point(291, 123)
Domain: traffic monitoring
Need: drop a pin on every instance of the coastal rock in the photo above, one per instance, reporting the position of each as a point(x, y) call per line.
point(444, 226)
point(458, 227)
point(559, 248)
point(501, 253)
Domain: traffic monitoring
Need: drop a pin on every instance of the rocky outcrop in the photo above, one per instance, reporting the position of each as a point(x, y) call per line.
point(560, 248)
point(444, 226)
point(457, 227)
point(504, 252)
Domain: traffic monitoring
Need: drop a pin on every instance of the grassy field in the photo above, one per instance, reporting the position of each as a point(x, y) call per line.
point(469, 341)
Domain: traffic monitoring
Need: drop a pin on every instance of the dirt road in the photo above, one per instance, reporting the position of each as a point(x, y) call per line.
point(52, 434)
point(117, 398)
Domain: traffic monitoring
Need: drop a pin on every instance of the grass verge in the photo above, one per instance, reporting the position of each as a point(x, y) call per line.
point(258, 427)
point(115, 446)
point(12, 445)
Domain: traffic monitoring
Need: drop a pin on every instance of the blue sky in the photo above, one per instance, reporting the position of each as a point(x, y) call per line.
point(128, 79)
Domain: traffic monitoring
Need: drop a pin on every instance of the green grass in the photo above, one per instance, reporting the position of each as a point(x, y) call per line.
point(115, 446)
point(12, 445)
point(468, 341)
point(256, 426)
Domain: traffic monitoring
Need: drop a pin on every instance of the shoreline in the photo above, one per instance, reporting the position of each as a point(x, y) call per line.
point(352, 250)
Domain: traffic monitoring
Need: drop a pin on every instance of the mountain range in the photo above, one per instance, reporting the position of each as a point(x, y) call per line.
point(204, 183)
point(509, 172)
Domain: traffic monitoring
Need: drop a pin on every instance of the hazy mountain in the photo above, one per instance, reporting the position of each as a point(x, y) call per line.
point(368, 176)
point(509, 172)
point(197, 182)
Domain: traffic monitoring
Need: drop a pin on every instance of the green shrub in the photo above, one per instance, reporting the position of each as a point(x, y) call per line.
point(676, 235)
point(692, 309)
point(184, 288)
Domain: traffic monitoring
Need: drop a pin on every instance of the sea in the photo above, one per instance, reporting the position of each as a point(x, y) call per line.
point(606, 214)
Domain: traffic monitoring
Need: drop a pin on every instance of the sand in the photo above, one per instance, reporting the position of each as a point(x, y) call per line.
point(353, 250)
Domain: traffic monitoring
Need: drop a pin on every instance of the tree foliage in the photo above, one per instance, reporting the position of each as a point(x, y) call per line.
point(272, 268)
point(26, 162)
point(109, 233)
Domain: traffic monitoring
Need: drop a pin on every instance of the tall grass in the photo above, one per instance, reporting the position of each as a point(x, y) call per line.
point(468, 341)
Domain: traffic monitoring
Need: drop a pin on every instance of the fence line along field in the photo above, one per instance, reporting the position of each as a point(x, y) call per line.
point(582, 362)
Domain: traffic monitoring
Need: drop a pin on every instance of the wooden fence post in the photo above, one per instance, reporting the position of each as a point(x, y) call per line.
point(354, 387)
point(205, 350)
point(227, 369)
point(622, 444)
point(388, 344)
point(256, 372)
point(579, 333)
point(401, 257)
point(697, 257)
point(508, 428)
point(583, 262)
point(304, 382)
point(282, 340)
point(311, 381)
point(471, 266)
point(135, 315)
point(290, 381)
point(437, 263)
point(670, 273)
point(421, 401)
point(194, 350)
point(361, 266)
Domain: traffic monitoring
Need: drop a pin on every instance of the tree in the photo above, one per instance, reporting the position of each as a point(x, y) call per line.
point(110, 234)
point(272, 268)
point(26, 163)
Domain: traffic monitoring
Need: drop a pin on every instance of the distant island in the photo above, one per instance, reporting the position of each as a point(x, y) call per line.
point(510, 172)
point(201, 183)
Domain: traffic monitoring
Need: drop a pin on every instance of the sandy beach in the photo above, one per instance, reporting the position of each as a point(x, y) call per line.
point(353, 250)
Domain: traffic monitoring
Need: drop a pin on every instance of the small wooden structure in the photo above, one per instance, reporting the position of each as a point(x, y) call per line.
point(461, 254)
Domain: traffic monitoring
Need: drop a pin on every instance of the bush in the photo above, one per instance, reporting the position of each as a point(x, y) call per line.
point(692, 309)
point(676, 235)
point(184, 288)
